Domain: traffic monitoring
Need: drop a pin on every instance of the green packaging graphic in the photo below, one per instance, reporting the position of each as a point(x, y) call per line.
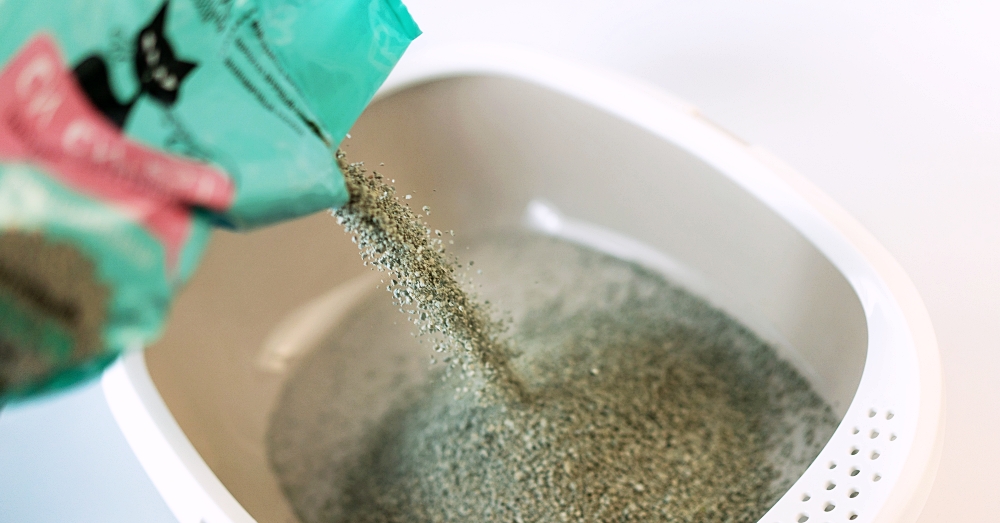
point(263, 89)
point(129, 127)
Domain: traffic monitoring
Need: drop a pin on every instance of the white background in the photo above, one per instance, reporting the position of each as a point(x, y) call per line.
point(891, 107)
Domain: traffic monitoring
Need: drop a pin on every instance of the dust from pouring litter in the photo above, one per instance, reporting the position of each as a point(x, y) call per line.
point(607, 395)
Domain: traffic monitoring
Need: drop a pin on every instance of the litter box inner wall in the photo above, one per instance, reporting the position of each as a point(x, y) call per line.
point(488, 145)
point(205, 368)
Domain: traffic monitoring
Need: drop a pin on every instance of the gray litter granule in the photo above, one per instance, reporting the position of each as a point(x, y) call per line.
point(422, 277)
point(635, 400)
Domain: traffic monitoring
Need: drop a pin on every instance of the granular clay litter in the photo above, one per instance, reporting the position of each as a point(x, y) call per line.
point(422, 277)
point(634, 400)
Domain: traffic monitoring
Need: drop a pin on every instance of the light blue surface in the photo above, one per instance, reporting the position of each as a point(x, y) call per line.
point(64, 459)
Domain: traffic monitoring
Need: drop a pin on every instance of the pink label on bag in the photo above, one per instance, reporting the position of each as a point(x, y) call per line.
point(46, 119)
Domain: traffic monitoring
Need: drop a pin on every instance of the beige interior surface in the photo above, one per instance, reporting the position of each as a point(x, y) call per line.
point(477, 150)
point(204, 366)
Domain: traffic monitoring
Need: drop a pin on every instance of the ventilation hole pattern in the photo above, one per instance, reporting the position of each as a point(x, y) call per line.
point(868, 441)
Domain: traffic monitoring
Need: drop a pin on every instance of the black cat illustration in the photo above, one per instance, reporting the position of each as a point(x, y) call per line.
point(158, 70)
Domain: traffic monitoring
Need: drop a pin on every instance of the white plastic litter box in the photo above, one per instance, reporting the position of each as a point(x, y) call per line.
point(478, 134)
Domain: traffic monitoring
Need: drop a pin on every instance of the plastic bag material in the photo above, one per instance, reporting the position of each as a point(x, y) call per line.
point(262, 89)
point(71, 302)
point(96, 230)
point(128, 128)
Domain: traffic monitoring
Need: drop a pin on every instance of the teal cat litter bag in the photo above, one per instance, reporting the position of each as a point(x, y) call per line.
point(128, 127)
